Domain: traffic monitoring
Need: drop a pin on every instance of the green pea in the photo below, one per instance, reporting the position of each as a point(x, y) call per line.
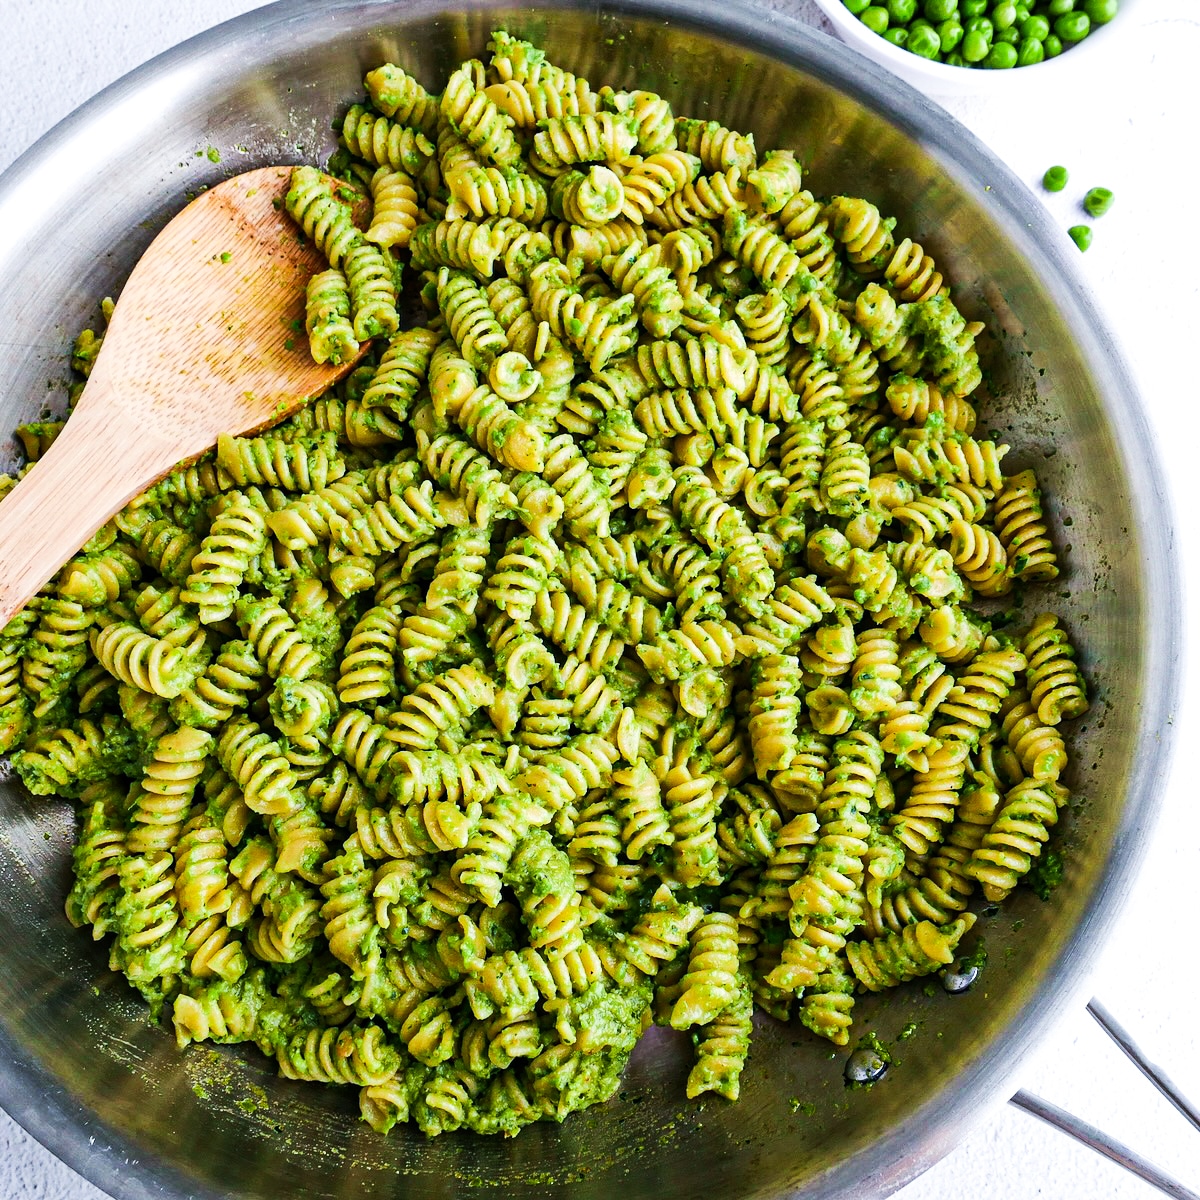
point(875, 18)
point(924, 41)
point(1004, 15)
point(1022, 13)
point(1030, 52)
point(1056, 8)
point(1051, 45)
point(950, 34)
point(1055, 179)
point(1081, 235)
point(972, 8)
point(1100, 12)
point(857, 6)
point(955, 60)
point(1001, 56)
point(1011, 35)
point(975, 46)
point(1035, 27)
point(1098, 201)
point(940, 10)
point(898, 37)
point(900, 12)
point(1073, 27)
point(980, 25)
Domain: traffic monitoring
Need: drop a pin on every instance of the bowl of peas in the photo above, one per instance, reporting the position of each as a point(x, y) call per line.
point(951, 47)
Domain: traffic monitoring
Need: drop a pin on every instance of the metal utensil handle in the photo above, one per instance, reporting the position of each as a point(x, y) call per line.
point(1097, 1139)
point(1152, 1071)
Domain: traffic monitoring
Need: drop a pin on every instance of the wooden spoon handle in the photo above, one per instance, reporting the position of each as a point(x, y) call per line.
point(99, 462)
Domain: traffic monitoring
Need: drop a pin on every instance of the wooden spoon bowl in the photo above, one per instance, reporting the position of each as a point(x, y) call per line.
point(207, 338)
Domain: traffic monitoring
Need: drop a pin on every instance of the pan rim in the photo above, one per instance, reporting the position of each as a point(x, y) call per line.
point(33, 1096)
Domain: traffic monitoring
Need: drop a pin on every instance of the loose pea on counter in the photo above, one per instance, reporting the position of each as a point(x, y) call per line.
point(1098, 201)
point(1055, 179)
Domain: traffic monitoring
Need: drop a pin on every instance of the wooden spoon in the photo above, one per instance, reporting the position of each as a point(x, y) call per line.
point(208, 338)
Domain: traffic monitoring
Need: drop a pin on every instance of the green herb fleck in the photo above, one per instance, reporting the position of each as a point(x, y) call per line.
point(977, 958)
point(1047, 875)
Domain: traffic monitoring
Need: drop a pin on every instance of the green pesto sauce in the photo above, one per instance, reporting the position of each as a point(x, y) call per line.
point(119, 755)
point(535, 874)
point(1047, 875)
point(939, 324)
point(596, 1080)
point(611, 1016)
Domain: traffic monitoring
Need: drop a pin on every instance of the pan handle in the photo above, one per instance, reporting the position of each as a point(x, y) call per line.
point(1097, 1139)
point(1152, 1071)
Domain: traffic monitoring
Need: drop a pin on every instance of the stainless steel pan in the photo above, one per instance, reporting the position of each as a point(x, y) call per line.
point(81, 1067)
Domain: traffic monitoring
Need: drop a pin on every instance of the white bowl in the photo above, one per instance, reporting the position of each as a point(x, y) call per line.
point(940, 79)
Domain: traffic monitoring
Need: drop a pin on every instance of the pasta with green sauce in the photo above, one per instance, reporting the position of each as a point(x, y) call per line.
point(610, 647)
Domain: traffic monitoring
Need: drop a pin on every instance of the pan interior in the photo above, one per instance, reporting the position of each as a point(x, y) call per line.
point(216, 1121)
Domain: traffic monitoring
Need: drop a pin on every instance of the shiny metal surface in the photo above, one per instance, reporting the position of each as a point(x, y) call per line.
point(1103, 1144)
point(1099, 1141)
point(79, 1064)
point(1123, 1039)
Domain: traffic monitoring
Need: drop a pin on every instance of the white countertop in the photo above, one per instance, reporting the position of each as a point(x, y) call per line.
point(1132, 129)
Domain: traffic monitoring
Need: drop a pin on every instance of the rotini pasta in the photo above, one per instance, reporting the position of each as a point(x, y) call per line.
point(606, 647)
